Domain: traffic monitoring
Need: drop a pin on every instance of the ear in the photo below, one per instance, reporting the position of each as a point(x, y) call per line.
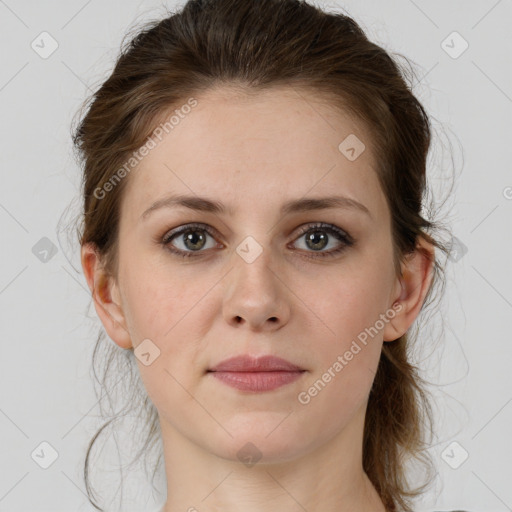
point(106, 296)
point(411, 289)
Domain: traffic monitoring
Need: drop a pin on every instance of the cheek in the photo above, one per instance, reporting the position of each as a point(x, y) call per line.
point(156, 297)
point(352, 309)
point(167, 311)
point(348, 356)
point(351, 306)
point(348, 361)
point(171, 310)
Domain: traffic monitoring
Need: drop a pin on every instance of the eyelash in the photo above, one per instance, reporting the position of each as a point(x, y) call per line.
point(342, 236)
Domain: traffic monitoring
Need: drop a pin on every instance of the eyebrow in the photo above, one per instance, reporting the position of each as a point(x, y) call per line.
point(204, 204)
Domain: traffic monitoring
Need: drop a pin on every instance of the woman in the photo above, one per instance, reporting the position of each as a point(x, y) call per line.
point(254, 175)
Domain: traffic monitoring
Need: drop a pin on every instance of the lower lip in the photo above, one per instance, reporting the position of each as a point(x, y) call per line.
point(257, 381)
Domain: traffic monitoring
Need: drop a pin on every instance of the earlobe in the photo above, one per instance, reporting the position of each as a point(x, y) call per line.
point(412, 288)
point(105, 296)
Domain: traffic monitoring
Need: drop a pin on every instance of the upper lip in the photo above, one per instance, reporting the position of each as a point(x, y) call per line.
point(247, 363)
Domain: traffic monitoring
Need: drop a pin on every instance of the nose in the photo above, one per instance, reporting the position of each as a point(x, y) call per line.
point(256, 294)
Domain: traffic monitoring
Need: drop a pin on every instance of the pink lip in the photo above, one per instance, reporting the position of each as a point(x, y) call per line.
point(256, 374)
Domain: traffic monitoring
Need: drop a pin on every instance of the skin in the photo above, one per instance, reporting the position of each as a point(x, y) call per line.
point(253, 152)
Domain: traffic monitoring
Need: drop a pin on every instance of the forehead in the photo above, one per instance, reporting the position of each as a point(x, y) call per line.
point(251, 149)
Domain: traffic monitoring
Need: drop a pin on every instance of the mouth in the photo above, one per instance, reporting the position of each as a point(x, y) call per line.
point(256, 374)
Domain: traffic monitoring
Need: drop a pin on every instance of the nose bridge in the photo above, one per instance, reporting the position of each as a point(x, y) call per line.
point(253, 271)
point(253, 254)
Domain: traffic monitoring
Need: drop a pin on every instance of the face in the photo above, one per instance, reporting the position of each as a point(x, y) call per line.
point(301, 284)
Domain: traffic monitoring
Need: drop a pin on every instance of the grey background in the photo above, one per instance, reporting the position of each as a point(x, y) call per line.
point(46, 391)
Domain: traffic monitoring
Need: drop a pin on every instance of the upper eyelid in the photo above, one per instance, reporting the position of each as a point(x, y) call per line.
point(192, 225)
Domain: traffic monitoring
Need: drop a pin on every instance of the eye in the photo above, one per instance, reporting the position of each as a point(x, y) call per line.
point(316, 239)
point(193, 238)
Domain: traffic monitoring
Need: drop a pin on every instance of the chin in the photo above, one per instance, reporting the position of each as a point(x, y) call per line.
point(258, 444)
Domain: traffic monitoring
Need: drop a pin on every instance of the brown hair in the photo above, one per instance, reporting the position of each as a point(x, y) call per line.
point(256, 44)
